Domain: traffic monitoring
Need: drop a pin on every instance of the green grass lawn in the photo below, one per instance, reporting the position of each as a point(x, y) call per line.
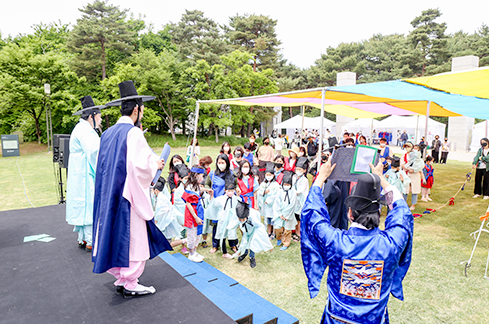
point(435, 288)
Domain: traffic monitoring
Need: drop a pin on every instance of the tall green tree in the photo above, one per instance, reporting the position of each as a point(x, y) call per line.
point(159, 76)
point(428, 37)
point(198, 38)
point(103, 27)
point(23, 74)
point(255, 34)
point(483, 45)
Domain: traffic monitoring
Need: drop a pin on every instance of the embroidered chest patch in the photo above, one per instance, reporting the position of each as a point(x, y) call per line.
point(362, 279)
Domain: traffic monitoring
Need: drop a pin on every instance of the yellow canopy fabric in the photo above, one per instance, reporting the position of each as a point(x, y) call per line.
point(468, 83)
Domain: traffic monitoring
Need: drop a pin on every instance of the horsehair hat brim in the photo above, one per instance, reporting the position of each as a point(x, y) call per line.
point(88, 106)
point(128, 91)
point(88, 110)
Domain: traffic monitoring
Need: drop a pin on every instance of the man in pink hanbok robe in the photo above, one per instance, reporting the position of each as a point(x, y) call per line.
point(125, 235)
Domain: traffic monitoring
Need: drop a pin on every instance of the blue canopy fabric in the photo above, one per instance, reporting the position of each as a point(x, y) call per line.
point(400, 90)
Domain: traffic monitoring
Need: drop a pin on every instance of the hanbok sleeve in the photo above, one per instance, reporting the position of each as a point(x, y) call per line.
point(141, 168)
point(318, 239)
point(90, 144)
point(399, 227)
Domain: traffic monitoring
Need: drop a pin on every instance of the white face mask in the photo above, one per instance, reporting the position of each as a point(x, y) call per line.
point(299, 173)
point(177, 163)
point(222, 166)
point(287, 187)
point(226, 148)
point(382, 144)
point(245, 170)
point(184, 181)
point(269, 178)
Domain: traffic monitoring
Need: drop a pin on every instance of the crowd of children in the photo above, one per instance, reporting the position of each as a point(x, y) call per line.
point(197, 202)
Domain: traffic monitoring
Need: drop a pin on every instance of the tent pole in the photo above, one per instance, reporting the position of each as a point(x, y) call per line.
point(417, 130)
point(371, 130)
point(486, 130)
point(195, 134)
point(323, 95)
point(302, 127)
point(426, 127)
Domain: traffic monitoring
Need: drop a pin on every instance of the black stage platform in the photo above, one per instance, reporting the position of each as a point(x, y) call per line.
point(53, 282)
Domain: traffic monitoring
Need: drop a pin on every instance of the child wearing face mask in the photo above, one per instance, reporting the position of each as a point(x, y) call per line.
point(222, 209)
point(279, 168)
point(266, 195)
point(254, 238)
point(194, 211)
point(237, 160)
point(173, 179)
point(427, 184)
point(248, 154)
point(301, 186)
point(247, 184)
point(178, 208)
point(284, 207)
point(384, 153)
point(216, 181)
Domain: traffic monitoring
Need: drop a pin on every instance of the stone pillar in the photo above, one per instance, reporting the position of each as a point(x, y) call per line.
point(460, 128)
point(344, 79)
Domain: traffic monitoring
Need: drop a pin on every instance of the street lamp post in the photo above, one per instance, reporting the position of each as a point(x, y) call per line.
point(49, 122)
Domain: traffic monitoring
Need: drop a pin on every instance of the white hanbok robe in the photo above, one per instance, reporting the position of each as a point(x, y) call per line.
point(223, 212)
point(265, 201)
point(301, 186)
point(165, 219)
point(285, 207)
point(255, 236)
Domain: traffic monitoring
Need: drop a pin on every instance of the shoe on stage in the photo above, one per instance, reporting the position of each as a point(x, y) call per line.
point(140, 290)
point(82, 245)
point(88, 248)
point(252, 262)
point(195, 258)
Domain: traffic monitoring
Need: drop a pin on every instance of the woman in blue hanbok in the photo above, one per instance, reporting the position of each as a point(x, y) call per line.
point(366, 264)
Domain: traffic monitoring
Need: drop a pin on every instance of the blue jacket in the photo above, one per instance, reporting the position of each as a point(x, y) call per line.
point(365, 266)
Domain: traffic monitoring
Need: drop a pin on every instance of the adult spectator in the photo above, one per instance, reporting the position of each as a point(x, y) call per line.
point(279, 143)
point(346, 135)
point(404, 138)
point(196, 153)
point(422, 145)
point(362, 140)
point(312, 148)
point(445, 148)
point(435, 152)
point(265, 154)
point(398, 138)
point(253, 144)
point(481, 164)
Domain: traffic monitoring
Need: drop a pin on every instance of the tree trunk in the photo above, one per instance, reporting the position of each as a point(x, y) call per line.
point(172, 131)
point(250, 128)
point(242, 131)
point(103, 60)
point(184, 127)
point(254, 63)
point(290, 112)
point(216, 129)
point(107, 123)
point(211, 129)
point(38, 130)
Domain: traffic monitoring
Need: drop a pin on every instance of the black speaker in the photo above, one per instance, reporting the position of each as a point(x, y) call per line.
point(56, 142)
point(64, 152)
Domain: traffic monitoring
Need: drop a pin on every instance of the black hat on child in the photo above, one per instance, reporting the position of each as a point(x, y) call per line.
point(302, 163)
point(160, 184)
point(229, 185)
point(287, 179)
point(88, 107)
point(270, 168)
point(395, 161)
point(128, 91)
point(365, 195)
point(242, 209)
point(181, 170)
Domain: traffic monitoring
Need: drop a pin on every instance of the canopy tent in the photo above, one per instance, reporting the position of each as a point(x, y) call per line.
point(295, 122)
point(479, 131)
point(364, 125)
point(369, 101)
point(468, 83)
point(413, 125)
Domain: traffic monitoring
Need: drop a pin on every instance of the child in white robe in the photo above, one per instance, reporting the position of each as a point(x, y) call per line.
point(284, 212)
point(301, 186)
point(255, 238)
point(266, 195)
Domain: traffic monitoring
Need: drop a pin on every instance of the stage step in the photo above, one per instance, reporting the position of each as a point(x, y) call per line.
point(223, 290)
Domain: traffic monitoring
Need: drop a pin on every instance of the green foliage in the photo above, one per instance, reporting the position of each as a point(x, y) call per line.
point(103, 27)
point(198, 38)
point(22, 78)
point(255, 34)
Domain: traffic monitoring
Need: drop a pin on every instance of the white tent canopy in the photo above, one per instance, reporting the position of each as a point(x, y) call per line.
point(361, 125)
point(309, 123)
point(410, 124)
point(479, 131)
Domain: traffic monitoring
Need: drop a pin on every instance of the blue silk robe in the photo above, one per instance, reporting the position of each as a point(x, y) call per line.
point(365, 266)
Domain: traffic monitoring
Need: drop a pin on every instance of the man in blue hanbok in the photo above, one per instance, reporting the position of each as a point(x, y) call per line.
point(365, 263)
point(84, 146)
